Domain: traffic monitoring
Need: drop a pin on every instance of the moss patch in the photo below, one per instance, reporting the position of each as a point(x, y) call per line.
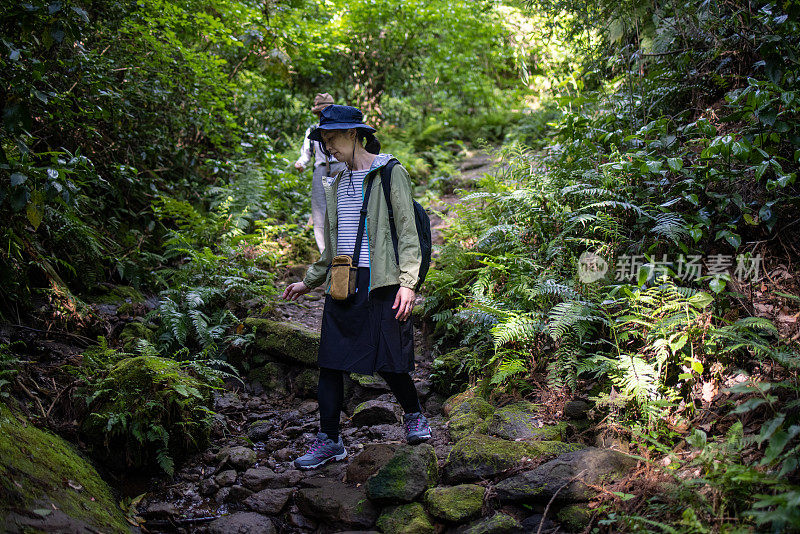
point(575, 517)
point(462, 425)
point(119, 294)
point(272, 376)
point(456, 503)
point(406, 476)
point(457, 399)
point(133, 332)
point(287, 341)
point(476, 405)
point(406, 519)
point(38, 469)
point(499, 523)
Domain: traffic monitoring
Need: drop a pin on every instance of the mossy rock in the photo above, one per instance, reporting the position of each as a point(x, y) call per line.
point(499, 523)
point(119, 294)
point(520, 421)
point(39, 470)
point(305, 383)
point(456, 503)
point(406, 519)
point(478, 456)
point(455, 400)
point(133, 332)
point(141, 400)
point(575, 517)
point(477, 405)
point(271, 376)
point(465, 424)
point(287, 341)
point(406, 476)
point(370, 381)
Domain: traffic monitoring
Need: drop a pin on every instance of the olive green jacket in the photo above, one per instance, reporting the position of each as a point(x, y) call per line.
point(384, 270)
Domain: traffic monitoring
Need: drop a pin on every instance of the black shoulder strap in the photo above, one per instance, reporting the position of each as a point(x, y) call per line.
point(386, 183)
point(362, 221)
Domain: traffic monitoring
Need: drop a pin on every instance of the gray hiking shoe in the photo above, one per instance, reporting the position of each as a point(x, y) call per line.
point(322, 450)
point(417, 428)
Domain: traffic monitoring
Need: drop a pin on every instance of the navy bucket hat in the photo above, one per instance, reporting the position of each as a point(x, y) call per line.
point(335, 117)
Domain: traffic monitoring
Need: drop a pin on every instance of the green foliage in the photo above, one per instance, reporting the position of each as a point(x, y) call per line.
point(146, 409)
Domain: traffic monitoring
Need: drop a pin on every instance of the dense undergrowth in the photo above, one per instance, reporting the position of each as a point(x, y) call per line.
point(630, 259)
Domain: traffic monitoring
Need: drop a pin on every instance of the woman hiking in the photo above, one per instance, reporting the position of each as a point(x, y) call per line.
point(367, 329)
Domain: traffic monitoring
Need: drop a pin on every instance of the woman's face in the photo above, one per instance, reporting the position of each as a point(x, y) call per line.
point(339, 143)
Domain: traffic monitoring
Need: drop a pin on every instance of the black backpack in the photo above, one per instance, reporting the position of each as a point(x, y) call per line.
point(421, 219)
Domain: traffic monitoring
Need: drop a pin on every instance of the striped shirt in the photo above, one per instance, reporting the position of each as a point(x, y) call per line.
point(349, 197)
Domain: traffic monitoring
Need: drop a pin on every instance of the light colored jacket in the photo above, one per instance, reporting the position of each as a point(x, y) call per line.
point(313, 150)
point(384, 270)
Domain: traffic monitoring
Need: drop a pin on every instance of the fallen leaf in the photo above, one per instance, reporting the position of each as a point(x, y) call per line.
point(709, 391)
point(74, 485)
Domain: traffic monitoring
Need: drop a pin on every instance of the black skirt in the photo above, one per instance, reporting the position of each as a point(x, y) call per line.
point(361, 335)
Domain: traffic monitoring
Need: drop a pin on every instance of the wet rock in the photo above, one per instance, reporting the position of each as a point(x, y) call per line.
point(406, 519)
point(308, 407)
point(284, 455)
point(228, 402)
point(208, 487)
point(276, 443)
point(222, 495)
point(406, 476)
point(239, 457)
point(336, 503)
point(520, 421)
point(423, 388)
point(237, 494)
point(300, 522)
point(576, 410)
point(269, 501)
point(225, 478)
point(531, 524)
point(386, 432)
point(575, 517)
point(288, 341)
point(455, 504)
point(434, 404)
point(462, 425)
point(592, 466)
point(259, 478)
point(499, 523)
point(369, 461)
point(477, 456)
point(160, 510)
point(242, 523)
point(375, 412)
point(260, 431)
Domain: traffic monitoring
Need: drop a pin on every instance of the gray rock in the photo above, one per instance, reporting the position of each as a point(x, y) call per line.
point(239, 457)
point(260, 431)
point(228, 402)
point(499, 523)
point(591, 466)
point(242, 523)
point(531, 524)
point(237, 494)
point(269, 501)
point(576, 410)
point(369, 461)
point(160, 510)
point(336, 503)
point(222, 495)
point(225, 478)
point(375, 412)
point(208, 487)
point(406, 476)
point(259, 478)
point(386, 432)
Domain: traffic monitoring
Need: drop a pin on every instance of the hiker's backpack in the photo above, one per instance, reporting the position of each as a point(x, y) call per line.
point(421, 219)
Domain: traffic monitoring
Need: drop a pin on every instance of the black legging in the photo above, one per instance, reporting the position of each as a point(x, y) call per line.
point(330, 394)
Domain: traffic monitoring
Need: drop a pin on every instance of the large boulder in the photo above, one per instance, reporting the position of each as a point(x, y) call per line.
point(456, 503)
point(46, 486)
point(499, 523)
point(269, 501)
point(480, 457)
point(336, 503)
point(287, 341)
point(369, 461)
point(242, 523)
point(406, 519)
point(520, 421)
point(573, 472)
point(405, 477)
point(259, 478)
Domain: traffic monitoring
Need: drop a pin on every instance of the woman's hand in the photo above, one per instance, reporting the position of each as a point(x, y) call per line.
point(293, 291)
point(403, 303)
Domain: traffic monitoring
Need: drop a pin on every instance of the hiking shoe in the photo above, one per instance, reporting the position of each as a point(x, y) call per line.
point(322, 450)
point(417, 428)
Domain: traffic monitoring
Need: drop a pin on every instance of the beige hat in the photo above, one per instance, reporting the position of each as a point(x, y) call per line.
point(321, 101)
